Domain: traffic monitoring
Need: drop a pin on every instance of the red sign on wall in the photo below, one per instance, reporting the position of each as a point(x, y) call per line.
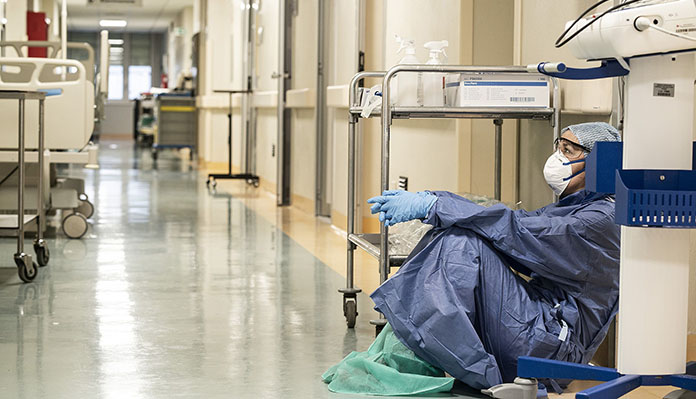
point(37, 29)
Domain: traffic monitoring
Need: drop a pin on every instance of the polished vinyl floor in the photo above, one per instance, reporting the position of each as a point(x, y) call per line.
point(177, 292)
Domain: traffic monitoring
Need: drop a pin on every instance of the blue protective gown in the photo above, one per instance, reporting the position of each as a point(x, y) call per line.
point(458, 305)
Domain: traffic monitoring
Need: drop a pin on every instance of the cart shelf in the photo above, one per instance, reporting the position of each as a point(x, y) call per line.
point(370, 243)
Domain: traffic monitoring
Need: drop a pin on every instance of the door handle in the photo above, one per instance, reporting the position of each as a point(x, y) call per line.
point(276, 75)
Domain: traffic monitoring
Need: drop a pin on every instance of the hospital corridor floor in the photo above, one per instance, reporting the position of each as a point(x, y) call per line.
point(178, 292)
point(173, 292)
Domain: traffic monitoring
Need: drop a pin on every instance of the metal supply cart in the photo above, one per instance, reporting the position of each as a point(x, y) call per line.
point(377, 245)
point(26, 267)
point(177, 121)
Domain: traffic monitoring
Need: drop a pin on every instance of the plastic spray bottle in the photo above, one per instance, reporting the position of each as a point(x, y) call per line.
point(433, 84)
point(405, 84)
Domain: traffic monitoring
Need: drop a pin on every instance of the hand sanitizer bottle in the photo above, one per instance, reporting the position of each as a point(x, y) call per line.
point(405, 84)
point(433, 89)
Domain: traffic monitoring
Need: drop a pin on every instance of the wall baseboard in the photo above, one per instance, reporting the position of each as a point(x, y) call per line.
point(303, 203)
point(339, 220)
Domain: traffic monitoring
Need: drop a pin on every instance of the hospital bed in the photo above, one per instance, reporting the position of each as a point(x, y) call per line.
point(69, 117)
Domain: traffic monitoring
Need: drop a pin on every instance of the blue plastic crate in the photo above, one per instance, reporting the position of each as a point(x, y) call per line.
point(664, 198)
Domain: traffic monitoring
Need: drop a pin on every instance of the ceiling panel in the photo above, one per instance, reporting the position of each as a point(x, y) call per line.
point(150, 15)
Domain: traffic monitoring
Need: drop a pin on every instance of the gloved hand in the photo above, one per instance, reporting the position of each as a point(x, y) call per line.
point(396, 206)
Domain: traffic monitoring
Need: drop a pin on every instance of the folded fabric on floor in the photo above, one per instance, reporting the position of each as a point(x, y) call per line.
point(387, 368)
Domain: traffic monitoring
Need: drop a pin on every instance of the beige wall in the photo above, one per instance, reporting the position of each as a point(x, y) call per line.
point(537, 44)
point(493, 23)
point(432, 143)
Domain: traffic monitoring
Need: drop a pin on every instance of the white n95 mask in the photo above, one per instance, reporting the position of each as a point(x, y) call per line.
point(558, 171)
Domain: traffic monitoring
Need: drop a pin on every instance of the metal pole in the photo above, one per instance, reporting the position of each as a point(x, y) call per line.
point(20, 189)
point(280, 134)
point(351, 200)
point(40, 203)
point(386, 130)
point(64, 30)
point(229, 137)
point(498, 156)
point(556, 120)
point(3, 28)
point(320, 208)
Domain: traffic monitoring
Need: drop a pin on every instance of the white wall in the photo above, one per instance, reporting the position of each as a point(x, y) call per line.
point(179, 45)
point(341, 64)
point(303, 125)
point(16, 20)
point(220, 69)
point(266, 65)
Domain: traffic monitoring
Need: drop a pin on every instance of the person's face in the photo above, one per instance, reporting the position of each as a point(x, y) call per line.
point(570, 147)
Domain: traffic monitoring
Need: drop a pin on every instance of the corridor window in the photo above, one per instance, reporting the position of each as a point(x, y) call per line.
point(139, 80)
point(115, 82)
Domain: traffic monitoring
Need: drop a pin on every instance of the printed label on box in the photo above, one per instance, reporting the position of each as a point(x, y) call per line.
point(498, 90)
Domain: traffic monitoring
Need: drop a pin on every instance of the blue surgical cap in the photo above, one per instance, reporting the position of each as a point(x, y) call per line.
point(590, 133)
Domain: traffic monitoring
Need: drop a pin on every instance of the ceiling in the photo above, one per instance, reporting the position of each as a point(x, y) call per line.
point(145, 15)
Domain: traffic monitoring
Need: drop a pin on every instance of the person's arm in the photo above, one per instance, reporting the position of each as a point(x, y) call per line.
point(557, 247)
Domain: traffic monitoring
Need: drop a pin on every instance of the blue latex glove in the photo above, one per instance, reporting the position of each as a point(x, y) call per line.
point(396, 206)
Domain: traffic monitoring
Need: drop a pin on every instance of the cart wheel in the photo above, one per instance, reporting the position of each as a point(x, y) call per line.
point(85, 208)
point(351, 312)
point(154, 155)
point(75, 225)
point(213, 183)
point(42, 254)
point(256, 183)
point(23, 269)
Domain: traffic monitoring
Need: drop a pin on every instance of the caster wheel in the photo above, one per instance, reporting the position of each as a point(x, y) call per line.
point(213, 183)
point(154, 155)
point(75, 225)
point(26, 268)
point(42, 254)
point(351, 312)
point(256, 183)
point(85, 208)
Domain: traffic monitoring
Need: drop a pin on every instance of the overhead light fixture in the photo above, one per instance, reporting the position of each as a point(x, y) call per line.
point(113, 23)
point(116, 42)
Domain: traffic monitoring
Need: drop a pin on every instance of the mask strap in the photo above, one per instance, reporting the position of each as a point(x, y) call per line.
point(572, 162)
point(573, 175)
